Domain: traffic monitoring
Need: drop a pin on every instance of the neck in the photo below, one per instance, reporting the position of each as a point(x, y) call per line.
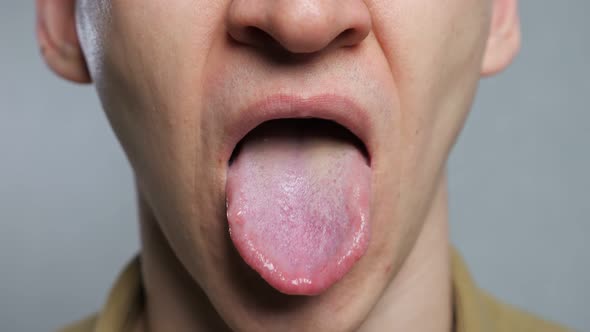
point(421, 289)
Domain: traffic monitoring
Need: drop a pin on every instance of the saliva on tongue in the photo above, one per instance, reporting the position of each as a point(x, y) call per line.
point(298, 195)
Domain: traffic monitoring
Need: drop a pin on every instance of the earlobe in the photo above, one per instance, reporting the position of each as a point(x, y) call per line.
point(504, 37)
point(58, 40)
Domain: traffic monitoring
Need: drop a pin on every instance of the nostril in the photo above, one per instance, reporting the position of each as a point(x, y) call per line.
point(254, 33)
point(255, 36)
point(346, 37)
point(346, 33)
point(350, 37)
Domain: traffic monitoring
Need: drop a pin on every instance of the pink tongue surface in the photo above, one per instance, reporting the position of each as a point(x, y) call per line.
point(298, 204)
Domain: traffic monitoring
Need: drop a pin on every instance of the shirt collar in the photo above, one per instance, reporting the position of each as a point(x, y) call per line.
point(125, 301)
point(468, 299)
point(126, 298)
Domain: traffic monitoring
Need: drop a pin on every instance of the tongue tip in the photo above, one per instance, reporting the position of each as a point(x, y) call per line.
point(310, 283)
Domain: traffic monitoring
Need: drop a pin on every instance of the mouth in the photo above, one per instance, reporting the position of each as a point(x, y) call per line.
point(298, 195)
point(298, 129)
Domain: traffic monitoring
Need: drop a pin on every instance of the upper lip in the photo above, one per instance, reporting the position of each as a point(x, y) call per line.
point(339, 109)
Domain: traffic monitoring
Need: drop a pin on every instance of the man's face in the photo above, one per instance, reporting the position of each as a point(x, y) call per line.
point(182, 82)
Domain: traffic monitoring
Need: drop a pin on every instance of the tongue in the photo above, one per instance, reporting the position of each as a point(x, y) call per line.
point(298, 204)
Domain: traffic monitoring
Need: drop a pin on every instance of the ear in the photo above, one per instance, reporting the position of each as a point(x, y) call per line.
point(504, 37)
point(58, 39)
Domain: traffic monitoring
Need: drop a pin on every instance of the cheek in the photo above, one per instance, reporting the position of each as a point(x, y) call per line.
point(434, 50)
point(149, 81)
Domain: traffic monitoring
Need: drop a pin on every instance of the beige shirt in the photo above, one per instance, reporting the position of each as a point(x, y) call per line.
point(474, 309)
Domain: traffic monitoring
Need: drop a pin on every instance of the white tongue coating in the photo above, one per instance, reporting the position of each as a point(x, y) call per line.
point(297, 204)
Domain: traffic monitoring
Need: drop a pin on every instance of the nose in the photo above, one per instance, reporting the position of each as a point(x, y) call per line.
point(299, 26)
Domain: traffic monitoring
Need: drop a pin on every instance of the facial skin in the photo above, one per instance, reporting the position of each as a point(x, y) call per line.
point(176, 79)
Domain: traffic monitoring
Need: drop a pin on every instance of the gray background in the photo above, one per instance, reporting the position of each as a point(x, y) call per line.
point(519, 179)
